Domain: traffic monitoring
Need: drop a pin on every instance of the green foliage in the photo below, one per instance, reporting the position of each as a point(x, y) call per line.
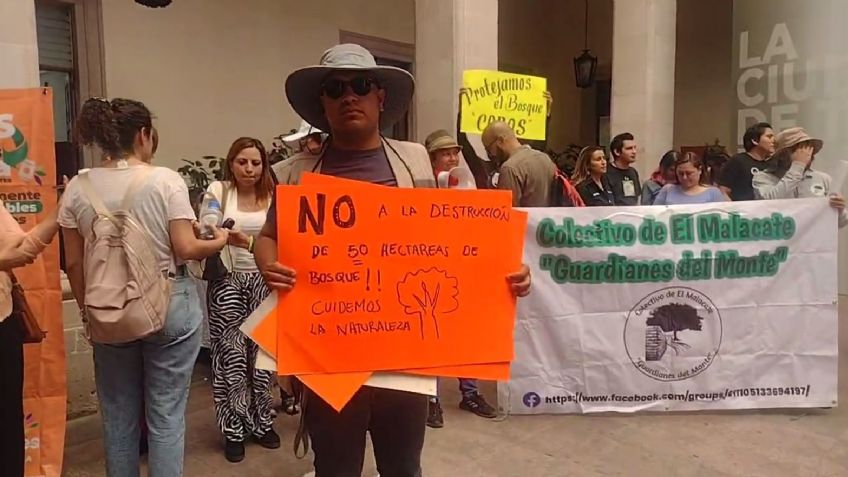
point(199, 174)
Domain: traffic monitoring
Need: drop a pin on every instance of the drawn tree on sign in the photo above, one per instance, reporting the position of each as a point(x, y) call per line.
point(428, 293)
point(670, 318)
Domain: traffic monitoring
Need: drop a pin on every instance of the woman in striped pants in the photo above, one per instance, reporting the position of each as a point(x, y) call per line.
point(242, 394)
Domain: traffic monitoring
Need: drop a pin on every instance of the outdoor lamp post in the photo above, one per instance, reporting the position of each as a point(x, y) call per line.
point(585, 64)
point(584, 69)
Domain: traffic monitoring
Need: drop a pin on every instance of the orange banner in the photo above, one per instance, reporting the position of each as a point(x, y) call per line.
point(418, 274)
point(27, 179)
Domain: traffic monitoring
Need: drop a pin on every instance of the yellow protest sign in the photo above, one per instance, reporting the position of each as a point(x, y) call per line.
point(517, 100)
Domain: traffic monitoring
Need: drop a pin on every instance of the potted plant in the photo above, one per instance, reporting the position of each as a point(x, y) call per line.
point(199, 174)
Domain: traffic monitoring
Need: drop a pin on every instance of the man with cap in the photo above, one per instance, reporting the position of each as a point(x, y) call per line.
point(445, 155)
point(528, 173)
point(790, 175)
point(353, 98)
point(443, 151)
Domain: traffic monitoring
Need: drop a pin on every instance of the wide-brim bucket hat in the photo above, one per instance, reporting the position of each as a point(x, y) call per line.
point(791, 137)
point(303, 87)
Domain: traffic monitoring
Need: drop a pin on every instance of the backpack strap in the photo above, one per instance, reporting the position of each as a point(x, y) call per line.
point(97, 203)
point(94, 198)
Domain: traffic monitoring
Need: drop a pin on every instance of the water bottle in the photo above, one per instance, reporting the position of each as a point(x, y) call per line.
point(210, 219)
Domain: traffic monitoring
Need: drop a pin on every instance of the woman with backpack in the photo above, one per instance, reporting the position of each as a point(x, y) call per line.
point(128, 230)
point(242, 393)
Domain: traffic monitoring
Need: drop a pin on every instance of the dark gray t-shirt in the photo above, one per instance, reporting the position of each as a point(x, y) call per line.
point(738, 174)
point(371, 165)
point(626, 187)
point(367, 166)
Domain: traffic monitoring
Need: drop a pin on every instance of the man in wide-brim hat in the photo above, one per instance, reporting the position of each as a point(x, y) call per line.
point(790, 174)
point(352, 98)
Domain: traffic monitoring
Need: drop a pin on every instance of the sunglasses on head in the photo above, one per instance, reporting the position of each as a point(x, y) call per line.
point(335, 88)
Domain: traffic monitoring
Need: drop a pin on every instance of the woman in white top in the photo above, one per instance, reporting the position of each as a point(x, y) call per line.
point(242, 394)
point(155, 370)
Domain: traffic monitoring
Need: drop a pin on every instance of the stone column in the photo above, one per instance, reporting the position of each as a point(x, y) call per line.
point(450, 36)
point(18, 45)
point(644, 36)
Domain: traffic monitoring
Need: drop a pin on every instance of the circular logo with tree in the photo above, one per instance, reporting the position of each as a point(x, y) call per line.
point(673, 334)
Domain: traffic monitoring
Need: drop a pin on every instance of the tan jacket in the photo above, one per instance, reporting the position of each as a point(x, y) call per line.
point(529, 174)
point(409, 161)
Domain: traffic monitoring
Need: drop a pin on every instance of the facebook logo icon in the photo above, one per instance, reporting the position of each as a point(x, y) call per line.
point(532, 399)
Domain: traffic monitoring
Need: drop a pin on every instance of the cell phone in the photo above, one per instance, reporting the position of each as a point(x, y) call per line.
point(228, 224)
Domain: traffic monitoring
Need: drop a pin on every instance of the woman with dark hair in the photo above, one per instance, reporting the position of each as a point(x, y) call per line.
point(17, 249)
point(590, 177)
point(715, 158)
point(242, 394)
point(153, 372)
point(790, 174)
point(690, 188)
point(663, 175)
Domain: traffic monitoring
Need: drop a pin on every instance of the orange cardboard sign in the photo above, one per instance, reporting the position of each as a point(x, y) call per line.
point(265, 335)
point(412, 273)
point(338, 388)
point(27, 179)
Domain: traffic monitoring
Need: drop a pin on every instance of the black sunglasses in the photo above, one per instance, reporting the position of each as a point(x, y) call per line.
point(335, 88)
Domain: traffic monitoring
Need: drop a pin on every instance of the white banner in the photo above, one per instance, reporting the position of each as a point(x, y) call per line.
point(702, 307)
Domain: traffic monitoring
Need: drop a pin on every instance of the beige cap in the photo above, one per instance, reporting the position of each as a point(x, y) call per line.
point(440, 139)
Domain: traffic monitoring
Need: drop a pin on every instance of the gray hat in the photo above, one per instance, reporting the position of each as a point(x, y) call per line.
point(303, 87)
